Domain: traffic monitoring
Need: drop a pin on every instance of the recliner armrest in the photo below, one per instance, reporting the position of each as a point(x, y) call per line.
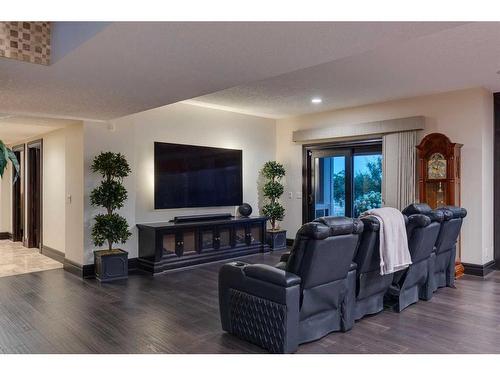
point(276, 295)
point(284, 257)
point(371, 223)
point(271, 275)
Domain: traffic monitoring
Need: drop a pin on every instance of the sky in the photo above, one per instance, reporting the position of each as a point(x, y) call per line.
point(360, 162)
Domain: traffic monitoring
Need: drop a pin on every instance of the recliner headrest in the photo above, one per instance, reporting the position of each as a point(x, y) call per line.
point(437, 215)
point(447, 214)
point(419, 220)
point(341, 225)
point(370, 223)
point(454, 211)
point(314, 230)
point(417, 208)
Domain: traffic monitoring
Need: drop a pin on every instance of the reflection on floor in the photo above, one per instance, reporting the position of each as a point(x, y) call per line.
point(16, 259)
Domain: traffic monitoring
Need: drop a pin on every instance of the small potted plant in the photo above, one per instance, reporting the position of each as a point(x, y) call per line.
point(273, 190)
point(109, 227)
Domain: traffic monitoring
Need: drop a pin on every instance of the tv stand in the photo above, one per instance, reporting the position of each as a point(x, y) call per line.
point(171, 245)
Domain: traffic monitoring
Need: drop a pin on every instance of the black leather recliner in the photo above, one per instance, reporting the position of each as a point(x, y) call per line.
point(412, 283)
point(371, 286)
point(442, 266)
point(278, 309)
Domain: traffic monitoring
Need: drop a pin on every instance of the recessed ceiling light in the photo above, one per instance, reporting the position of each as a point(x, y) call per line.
point(316, 100)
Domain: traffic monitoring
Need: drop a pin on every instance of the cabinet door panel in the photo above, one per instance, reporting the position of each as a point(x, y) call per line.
point(189, 242)
point(240, 236)
point(255, 234)
point(169, 244)
point(224, 237)
point(207, 239)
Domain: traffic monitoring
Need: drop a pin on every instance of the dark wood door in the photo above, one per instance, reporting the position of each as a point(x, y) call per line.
point(17, 199)
point(34, 196)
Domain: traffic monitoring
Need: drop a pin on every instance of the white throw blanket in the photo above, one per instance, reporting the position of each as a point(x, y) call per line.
point(394, 252)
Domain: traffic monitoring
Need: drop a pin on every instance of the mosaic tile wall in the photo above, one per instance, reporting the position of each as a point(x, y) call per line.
point(25, 41)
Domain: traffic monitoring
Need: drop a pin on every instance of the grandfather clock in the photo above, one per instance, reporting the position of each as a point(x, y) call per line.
point(439, 176)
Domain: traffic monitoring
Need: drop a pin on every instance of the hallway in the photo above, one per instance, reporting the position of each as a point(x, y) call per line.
point(15, 259)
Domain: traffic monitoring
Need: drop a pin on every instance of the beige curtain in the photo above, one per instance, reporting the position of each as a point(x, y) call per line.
point(399, 169)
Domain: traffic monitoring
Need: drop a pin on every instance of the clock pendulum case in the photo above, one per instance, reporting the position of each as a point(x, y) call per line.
point(439, 175)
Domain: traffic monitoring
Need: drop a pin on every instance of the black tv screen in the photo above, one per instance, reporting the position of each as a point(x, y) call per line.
point(196, 176)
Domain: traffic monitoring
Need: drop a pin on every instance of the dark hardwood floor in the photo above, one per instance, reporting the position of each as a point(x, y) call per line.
point(56, 312)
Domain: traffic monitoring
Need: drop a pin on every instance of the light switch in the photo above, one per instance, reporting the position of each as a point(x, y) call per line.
point(290, 194)
point(298, 195)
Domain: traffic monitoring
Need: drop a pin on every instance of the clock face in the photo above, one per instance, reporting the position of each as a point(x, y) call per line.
point(436, 167)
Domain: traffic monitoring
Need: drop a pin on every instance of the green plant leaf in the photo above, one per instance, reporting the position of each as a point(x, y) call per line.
point(274, 211)
point(111, 165)
point(110, 194)
point(110, 228)
point(3, 160)
point(273, 189)
point(7, 154)
point(273, 170)
point(15, 164)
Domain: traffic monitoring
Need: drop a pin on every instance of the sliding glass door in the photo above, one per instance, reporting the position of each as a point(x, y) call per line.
point(367, 186)
point(342, 181)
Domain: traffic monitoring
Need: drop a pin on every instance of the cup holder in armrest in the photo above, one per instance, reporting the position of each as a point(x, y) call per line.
point(238, 264)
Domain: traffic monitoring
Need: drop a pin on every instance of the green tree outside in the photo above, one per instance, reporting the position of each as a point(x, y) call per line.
point(369, 182)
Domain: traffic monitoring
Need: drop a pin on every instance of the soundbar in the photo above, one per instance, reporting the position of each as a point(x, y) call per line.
point(206, 217)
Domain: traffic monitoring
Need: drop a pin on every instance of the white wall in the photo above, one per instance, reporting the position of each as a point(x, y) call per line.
point(135, 135)
point(53, 189)
point(465, 116)
point(74, 193)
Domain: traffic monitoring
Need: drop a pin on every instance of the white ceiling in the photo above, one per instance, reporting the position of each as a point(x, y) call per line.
point(14, 129)
point(105, 71)
point(463, 56)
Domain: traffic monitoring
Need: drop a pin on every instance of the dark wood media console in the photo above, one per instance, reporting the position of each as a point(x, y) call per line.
point(166, 246)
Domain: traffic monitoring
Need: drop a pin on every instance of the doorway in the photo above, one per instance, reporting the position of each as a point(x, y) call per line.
point(34, 194)
point(18, 197)
point(342, 179)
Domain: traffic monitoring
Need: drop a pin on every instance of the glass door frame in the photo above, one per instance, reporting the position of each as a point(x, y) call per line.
point(347, 149)
point(330, 153)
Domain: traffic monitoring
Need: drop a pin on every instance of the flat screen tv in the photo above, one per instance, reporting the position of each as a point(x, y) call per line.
point(196, 176)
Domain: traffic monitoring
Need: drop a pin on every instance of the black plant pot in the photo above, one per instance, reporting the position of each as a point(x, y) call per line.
point(276, 239)
point(111, 265)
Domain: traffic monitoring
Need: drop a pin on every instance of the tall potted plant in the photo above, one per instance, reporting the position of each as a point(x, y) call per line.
point(6, 155)
point(273, 172)
point(109, 227)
